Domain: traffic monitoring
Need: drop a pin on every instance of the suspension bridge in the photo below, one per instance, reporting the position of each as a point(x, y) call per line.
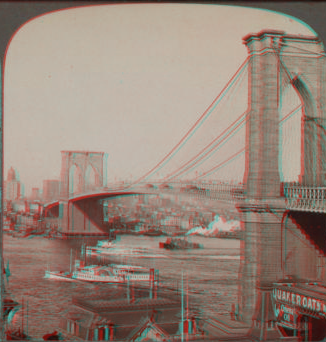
point(269, 119)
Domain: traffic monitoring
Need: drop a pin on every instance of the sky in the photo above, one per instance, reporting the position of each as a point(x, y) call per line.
point(130, 81)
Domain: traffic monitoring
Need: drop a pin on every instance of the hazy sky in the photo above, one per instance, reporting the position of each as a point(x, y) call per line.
point(130, 80)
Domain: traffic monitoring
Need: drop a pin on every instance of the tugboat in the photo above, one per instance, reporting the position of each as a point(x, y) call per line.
point(153, 232)
point(230, 235)
point(174, 243)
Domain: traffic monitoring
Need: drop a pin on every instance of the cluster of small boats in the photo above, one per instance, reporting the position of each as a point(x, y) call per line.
point(29, 232)
point(114, 273)
point(24, 232)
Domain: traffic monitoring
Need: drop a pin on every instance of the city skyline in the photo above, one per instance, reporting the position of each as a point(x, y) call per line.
point(130, 84)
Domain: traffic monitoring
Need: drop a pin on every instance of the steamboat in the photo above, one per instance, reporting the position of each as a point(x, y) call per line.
point(174, 243)
point(106, 247)
point(105, 274)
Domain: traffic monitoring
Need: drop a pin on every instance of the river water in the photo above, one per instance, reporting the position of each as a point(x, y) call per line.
point(211, 274)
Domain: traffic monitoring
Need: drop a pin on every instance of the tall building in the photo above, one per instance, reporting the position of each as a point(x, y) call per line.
point(51, 188)
point(11, 186)
point(35, 194)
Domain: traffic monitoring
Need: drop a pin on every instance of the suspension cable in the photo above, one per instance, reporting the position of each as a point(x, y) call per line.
point(215, 148)
point(234, 156)
point(208, 149)
point(227, 132)
point(222, 164)
point(305, 50)
point(284, 119)
point(291, 114)
point(191, 131)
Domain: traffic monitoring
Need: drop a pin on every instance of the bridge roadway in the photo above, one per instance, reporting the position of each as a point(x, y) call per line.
point(227, 192)
point(297, 197)
point(83, 215)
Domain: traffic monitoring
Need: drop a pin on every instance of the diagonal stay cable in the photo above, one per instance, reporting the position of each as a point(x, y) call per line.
point(294, 111)
point(318, 54)
point(207, 149)
point(215, 168)
point(234, 156)
point(227, 133)
point(194, 164)
point(191, 131)
point(291, 114)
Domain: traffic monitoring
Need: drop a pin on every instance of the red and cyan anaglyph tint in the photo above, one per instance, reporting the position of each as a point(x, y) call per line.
point(164, 176)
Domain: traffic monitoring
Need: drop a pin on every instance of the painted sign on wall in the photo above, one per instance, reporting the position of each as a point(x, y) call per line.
point(286, 315)
point(310, 303)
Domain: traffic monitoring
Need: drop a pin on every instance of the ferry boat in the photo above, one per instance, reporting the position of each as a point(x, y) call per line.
point(104, 274)
point(106, 247)
point(174, 243)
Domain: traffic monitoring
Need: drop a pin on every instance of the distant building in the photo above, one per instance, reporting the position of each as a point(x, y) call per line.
point(51, 188)
point(174, 222)
point(35, 194)
point(11, 186)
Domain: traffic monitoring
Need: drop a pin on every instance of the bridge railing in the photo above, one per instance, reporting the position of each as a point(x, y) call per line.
point(216, 191)
point(305, 198)
point(229, 192)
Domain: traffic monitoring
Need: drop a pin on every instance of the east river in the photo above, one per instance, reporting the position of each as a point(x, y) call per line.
point(211, 275)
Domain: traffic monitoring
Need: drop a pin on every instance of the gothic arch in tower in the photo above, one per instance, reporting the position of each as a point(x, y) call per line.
point(81, 172)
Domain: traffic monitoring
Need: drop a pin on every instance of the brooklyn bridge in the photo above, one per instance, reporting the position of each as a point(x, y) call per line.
point(283, 222)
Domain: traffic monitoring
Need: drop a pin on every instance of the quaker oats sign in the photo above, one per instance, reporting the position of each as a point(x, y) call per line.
point(289, 304)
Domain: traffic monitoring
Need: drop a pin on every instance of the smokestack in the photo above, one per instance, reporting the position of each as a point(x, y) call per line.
point(151, 282)
point(157, 283)
point(132, 294)
point(128, 292)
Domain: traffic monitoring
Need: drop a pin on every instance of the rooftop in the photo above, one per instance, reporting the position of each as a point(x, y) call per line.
point(304, 288)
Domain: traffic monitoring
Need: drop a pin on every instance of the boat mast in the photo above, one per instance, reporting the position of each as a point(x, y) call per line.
point(27, 318)
point(70, 258)
point(182, 306)
point(22, 315)
point(187, 308)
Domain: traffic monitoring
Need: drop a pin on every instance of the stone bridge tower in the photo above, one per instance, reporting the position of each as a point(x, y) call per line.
point(276, 60)
point(82, 164)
